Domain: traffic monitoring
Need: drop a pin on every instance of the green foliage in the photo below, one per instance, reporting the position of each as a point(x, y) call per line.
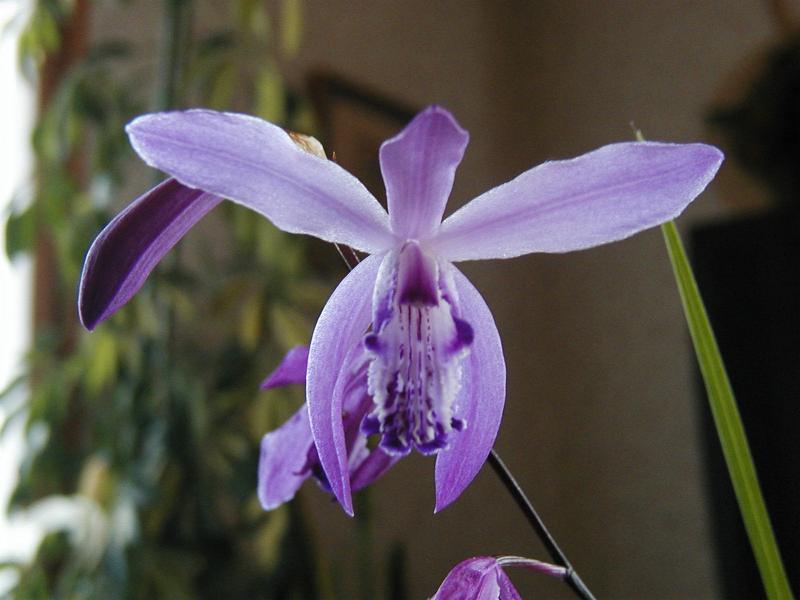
point(42, 36)
point(291, 32)
point(150, 426)
point(20, 232)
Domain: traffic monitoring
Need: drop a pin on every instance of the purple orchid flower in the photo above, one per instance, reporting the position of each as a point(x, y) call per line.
point(288, 455)
point(435, 368)
point(483, 578)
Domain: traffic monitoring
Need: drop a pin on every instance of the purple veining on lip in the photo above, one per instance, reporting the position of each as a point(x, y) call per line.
point(414, 375)
point(436, 377)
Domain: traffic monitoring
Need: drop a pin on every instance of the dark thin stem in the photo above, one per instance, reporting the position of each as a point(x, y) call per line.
point(173, 53)
point(348, 255)
point(556, 554)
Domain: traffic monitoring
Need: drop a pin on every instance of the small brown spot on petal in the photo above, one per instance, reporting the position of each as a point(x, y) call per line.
point(308, 144)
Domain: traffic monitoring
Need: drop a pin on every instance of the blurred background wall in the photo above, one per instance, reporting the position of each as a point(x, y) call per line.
point(601, 423)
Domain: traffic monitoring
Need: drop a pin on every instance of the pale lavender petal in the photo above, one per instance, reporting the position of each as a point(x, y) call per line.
point(371, 468)
point(256, 164)
point(473, 579)
point(480, 400)
point(600, 197)
point(507, 589)
point(291, 370)
point(336, 338)
point(130, 246)
point(283, 467)
point(418, 167)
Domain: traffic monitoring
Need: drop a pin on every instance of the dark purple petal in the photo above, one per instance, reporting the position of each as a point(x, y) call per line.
point(283, 466)
point(600, 197)
point(256, 164)
point(130, 246)
point(473, 579)
point(480, 400)
point(288, 455)
point(291, 370)
point(418, 167)
point(336, 339)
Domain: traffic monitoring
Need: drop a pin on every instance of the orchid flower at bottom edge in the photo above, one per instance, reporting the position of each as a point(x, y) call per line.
point(483, 578)
point(435, 373)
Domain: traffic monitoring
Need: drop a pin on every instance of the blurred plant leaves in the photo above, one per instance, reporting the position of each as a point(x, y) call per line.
point(42, 35)
point(291, 26)
point(291, 328)
point(101, 367)
point(155, 419)
point(270, 95)
point(20, 233)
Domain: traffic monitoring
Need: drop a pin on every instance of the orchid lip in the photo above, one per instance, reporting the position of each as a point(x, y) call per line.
point(417, 345)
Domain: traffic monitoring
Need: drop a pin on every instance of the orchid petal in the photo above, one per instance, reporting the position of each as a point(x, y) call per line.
point(336, 337)
point(130, 246)
point(473, 579)
point(256, 164)
point(371, 468)
point(365, 465)
point(603, 196)
point(507, 589)
point(283, 467)
point(480, 401)
point(291, 370)
point(418, 166)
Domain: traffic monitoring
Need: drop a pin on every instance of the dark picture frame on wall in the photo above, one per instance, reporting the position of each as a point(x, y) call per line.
point(354, 121)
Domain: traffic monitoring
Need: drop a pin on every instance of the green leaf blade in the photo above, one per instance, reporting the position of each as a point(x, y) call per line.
point(728, 423)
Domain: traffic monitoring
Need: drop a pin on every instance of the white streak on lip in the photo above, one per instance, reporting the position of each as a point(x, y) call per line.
point(416, 350)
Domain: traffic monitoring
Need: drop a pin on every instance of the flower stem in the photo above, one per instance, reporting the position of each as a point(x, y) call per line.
point(533, 565)
point(172, 51)
point(175, 41)
point(348, 255)
point(571, 577)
